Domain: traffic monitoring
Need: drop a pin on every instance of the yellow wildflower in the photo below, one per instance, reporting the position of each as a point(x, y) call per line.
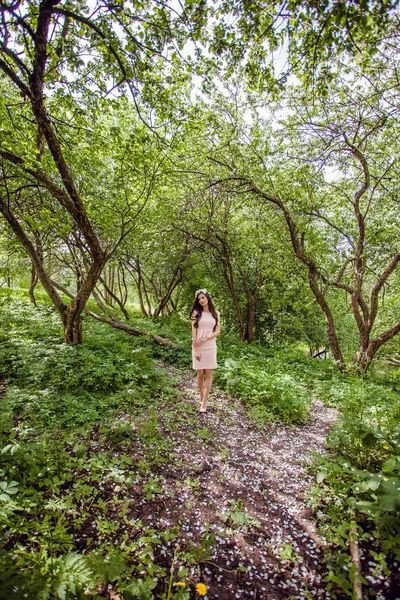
point(180, 584)
point(201, 589)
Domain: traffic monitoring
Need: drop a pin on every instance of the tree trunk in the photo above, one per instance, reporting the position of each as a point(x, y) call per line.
point(146, 295)
point(230, 280)
point(252, 296)
point(73, 326)
point(140, 286)
point(109, 296)
point(34, 280)
point(109, 287)
point(364, 356)
point(122, 287)
point(329, 322)
point(251, 315)
point(117, 324)
point(163, 304)
point(72, 318)
point(140, 295)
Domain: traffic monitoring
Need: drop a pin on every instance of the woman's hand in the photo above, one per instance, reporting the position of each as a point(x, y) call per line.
point(197, 343)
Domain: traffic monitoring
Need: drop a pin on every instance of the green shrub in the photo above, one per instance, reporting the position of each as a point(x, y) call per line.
point(280, 393)
point(358, 481)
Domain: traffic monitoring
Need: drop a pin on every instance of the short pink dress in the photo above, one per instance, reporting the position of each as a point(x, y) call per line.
point(207, 350)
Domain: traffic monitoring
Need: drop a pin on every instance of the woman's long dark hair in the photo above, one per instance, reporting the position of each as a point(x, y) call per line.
point(197, 310)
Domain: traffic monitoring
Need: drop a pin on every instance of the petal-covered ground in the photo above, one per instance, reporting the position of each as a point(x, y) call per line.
point(238, 496)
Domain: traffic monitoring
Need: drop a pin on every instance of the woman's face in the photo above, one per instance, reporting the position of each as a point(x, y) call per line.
point(203, 300)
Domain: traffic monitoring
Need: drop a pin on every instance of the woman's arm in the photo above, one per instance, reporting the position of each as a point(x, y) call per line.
point(195, 341)
point(194, 331)
point(214, 334)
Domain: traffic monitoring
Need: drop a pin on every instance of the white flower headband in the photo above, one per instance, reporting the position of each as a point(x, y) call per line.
point(203, 291)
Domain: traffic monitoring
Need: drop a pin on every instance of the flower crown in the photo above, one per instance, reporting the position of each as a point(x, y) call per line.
point(203, 291)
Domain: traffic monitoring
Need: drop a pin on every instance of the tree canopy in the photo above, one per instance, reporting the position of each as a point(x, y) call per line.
point(147, 145)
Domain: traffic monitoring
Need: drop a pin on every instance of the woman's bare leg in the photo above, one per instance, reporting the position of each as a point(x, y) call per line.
point(200, 382)
point(207, 387)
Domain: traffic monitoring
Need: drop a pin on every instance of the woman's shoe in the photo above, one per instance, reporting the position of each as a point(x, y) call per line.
point(203, 409)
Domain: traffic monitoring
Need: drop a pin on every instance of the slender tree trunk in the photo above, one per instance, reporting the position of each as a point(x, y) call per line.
point(230, 280)
point(252, 296)
point(141, 288)
point(146, 295)
point(110, 295)
point(329, 322)
point(175, 281)
point(140, 296)
point(251, 316)
point(122, 287)
point(34, 280)
point(78, 280)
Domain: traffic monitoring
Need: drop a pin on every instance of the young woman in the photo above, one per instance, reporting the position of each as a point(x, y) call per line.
point(205, 328)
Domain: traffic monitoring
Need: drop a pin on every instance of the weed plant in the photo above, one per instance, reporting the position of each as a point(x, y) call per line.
point(64, 425)
point(71, 414)
point(358, 483)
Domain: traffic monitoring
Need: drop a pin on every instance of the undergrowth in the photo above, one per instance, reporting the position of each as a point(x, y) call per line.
point(358, 480)
point(358, 485)
point(71, 414)
point(65, 467)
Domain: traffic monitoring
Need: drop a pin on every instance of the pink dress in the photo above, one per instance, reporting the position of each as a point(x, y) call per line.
point(207, 350)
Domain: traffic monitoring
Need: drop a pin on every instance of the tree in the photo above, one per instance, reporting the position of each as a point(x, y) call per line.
point(335, 227)
point(312, 33)
point(41, 45)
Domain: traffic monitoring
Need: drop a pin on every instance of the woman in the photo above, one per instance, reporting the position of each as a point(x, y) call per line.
point(205, 328)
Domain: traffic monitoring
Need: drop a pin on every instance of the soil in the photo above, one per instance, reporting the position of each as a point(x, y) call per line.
point(247, 486)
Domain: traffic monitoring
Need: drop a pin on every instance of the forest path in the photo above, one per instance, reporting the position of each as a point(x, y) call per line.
point(259, 479)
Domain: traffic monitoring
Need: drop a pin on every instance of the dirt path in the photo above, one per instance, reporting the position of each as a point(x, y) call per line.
point(266, 545)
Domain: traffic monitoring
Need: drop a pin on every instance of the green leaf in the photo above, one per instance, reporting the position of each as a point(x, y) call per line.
point(372, 483)
point(391, 464)
point(80, 450)
point(9, 488)
point(322, 475)
point(138, 590)
point(388, 495)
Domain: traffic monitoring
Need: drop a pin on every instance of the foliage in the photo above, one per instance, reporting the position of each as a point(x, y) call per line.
point(358, 481)
point(65, 385)
point(109, 153)
point(279, 393)
point(55, 484)
point(238, 518)
point(61, 407)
